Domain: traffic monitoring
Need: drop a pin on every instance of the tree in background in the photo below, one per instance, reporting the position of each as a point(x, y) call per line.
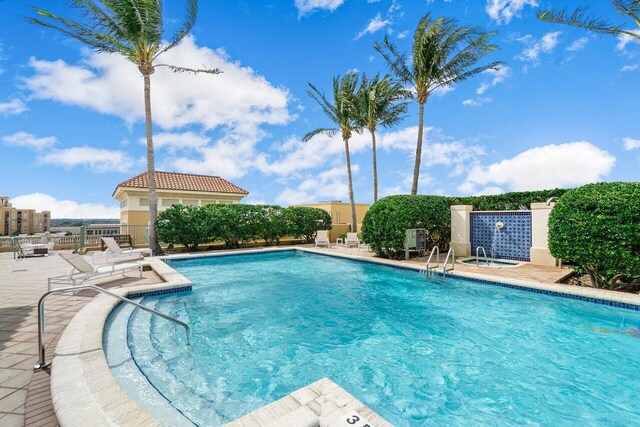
point(133, 29)
point(382, 103)
point(442, 55)
point(343, 113)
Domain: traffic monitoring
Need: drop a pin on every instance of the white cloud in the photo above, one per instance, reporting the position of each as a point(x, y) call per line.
point(550, 166)
point(374, 25)
point(534, 47)
point(477, 102)
point(12, 107)
point(328, 185)
point(578, 44)
point(24, 139)
point(502, 11)
point(110, 84)
point(95, 159)
point(173, 142)
point(403, 34)
point(631, 144)
point(625, 39)
point(629, 68)
point(65, 208)
point(496, 77)
point(308, 6)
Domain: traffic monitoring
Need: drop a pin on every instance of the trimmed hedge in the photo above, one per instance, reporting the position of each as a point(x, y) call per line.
point(598, 227)
point(385, 223)
point(238, 223)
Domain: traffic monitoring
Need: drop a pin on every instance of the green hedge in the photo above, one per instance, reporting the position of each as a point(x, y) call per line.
point(385, 223)
point(238, 223)
point(598, 227)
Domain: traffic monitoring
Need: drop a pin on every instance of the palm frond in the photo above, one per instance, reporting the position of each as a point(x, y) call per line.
point(330, 132)
point(177, 69)
point(582, 17)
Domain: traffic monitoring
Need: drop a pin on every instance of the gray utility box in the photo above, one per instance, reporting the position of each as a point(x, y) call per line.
point(415, 240)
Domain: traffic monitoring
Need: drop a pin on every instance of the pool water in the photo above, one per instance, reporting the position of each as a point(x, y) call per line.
point(418, 350)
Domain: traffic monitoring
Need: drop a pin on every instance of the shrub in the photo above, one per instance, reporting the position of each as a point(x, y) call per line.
point(186, 225)
point(304, 222)
point(507, 201)
point(598, 228)
point(385, 223)
point(272, 224)
point(237, 223)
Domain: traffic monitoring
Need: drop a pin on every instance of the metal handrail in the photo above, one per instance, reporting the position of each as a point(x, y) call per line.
point(478, 256)
point(437, 250)
point(446, 261)
point(41, 349)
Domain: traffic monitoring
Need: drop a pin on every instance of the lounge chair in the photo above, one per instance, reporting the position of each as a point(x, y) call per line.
point(83, 271)
point(322, 238)
point(114, 253)
point(352, 240)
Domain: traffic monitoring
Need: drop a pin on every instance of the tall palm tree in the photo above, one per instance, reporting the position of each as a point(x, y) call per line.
point(442, 55)
point(343, 113)
point(582, 17)
point(382, 103)
point(135, 30)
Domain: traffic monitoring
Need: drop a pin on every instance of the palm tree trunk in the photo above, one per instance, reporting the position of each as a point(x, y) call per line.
point(375, 166)
point(352, 203)
point(153, 198)
point(416, 168)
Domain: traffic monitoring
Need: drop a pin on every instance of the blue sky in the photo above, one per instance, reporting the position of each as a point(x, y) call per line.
point(562, 112)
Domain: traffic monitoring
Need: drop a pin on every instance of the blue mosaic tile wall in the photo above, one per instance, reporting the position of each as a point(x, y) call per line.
point(512, 242)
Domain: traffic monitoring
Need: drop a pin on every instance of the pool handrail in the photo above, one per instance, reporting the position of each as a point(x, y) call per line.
point(478, 256)
point(451, 253)
point(437, 251)
point(42, 363)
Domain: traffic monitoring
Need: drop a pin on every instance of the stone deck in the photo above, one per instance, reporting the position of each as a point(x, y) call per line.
point(24, 394)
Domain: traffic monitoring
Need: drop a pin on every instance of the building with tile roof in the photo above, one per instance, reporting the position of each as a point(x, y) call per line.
point(172, 188)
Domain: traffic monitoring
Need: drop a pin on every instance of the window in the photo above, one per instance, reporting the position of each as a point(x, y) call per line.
point(169, 202)
point(190, 202)
point(208, 202)
point(124, 203)
point(144, 201)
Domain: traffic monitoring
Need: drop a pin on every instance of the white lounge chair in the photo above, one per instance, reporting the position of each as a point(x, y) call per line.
point(322, 238)
point(352, 240)
point(114, 253)
point(83, 271)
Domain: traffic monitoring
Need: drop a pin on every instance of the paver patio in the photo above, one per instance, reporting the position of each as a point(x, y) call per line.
point(24, 394)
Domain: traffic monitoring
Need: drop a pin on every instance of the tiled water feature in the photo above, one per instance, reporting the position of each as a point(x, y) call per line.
point(504, 235)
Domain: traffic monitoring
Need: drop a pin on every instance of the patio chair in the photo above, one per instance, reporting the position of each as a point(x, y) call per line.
point(114, 253)
point(83, 271)
point(322, 238)
point(352, 240)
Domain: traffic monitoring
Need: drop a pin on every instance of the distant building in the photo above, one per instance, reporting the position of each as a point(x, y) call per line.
point(172, 188)
point(340, 212)
point(22, 221)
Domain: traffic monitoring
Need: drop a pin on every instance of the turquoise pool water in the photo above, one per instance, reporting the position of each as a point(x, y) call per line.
point(418, 350)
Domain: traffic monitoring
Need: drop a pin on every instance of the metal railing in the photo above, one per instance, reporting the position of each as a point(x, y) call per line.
point(451, 254)
point(42, 363)
point(478, 256)
point(435, 249)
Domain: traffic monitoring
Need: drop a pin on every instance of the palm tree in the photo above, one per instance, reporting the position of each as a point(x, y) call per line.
point(442, 55)
point(133, 29)
point(381, 104)
point(583, 18)
point(343, 112)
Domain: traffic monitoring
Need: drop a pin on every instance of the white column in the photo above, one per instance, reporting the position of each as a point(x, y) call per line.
point(539, 252)
point(461, 229)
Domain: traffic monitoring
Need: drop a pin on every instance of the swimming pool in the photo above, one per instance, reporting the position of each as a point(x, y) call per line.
point(418, 350)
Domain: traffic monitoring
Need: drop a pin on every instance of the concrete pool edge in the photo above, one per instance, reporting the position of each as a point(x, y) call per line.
point(85, 392)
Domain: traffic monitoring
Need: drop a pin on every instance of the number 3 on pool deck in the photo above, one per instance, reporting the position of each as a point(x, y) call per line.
point(354, 419)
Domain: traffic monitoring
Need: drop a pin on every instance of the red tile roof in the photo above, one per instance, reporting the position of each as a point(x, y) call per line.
point(184, 181)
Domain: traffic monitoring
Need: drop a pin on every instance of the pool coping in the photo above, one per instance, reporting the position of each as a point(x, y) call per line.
point(85, 392)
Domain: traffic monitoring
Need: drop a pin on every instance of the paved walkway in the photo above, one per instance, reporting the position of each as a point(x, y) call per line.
point(24, 394)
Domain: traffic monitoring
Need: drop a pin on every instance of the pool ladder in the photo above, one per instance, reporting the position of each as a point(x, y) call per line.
point(41, 347)
point(451, 255)
point(484, 252)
